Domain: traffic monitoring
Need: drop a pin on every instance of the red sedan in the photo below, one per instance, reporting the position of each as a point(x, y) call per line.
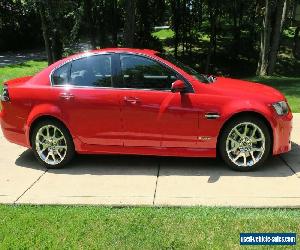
point(131, 101)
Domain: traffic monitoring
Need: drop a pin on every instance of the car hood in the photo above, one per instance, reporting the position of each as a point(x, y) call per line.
point(240, 88)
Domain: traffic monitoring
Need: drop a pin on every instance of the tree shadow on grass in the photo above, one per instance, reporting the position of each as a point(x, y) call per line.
point(23, 64)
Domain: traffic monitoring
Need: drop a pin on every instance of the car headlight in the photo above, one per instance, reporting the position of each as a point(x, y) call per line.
point(281, 108)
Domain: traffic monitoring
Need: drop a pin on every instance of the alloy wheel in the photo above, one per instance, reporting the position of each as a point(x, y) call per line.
point(245, 144)
point(51, 144)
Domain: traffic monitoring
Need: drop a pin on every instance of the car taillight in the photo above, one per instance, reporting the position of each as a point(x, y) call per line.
point(5, 94)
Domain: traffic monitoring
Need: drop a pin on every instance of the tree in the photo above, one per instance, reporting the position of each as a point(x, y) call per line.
point(55, 20)
point(213, 7)
point(46, 34)
point(52, 33)
point(270, 36)
point(129, 26)
point(88, 12)
point(176, 7)
point(114, 22)
point(296, 42)
point(19, 25)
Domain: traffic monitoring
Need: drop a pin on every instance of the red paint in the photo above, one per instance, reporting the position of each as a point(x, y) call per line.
point(132, 121)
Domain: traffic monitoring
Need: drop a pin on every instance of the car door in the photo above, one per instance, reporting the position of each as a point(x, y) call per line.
point(88, 101)
point(152, 115)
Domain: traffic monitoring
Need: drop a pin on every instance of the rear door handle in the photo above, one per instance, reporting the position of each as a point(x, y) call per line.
point(66, 96)
point(132, 100)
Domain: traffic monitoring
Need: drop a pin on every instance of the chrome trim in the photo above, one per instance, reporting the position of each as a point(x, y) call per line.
point(4, 96)
point(212, 116)
point(204, 138)
point(90, 87)
point(87, 54)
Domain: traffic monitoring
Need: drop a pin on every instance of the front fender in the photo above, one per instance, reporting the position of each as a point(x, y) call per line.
point(263, 109)
point(236, 107)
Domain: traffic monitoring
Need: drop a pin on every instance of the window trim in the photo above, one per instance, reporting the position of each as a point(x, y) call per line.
point(117, 69)
point(57, 68)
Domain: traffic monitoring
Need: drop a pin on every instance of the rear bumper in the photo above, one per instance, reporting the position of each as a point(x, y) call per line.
point(282, 134)
point(11, 133)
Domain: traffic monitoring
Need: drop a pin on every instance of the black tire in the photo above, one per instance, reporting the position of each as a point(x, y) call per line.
point(70, 150)
point(226, 132)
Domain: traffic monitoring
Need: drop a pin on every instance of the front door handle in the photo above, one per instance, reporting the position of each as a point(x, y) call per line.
point(66, 96)
point(131, 100)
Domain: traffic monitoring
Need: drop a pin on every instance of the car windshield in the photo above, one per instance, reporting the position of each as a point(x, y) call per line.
point(186, 68)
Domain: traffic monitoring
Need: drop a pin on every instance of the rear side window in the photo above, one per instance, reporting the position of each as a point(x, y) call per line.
point(93, 71)
point(61, 75)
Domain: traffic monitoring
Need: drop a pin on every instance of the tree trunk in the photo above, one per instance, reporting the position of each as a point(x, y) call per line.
point(46, 36)
point(235, 22)
point(296, 47)
point(265, 40)
point(184, 26)
point(276, 37)
point(114, 28)
point(56, 39)
point(176, 31)
point(176, 22)
point(238, 10)
point(284, 14)
point(212, 39)
point(144, 29)
point(57, 47)
point(253, 18)
point(270, 37)
point(129, 23)
point(212, 49)
point(90, 22)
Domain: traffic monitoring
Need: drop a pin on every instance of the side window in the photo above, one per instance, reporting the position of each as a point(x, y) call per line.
point(94, 71)
point(60, 75)
point(143, 73)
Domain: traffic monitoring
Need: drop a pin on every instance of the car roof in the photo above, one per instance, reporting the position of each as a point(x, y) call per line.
point(107, 50)
point(142, 51)
point(119, 50)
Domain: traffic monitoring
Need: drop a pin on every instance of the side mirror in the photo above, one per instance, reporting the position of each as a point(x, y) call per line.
point(178, 86)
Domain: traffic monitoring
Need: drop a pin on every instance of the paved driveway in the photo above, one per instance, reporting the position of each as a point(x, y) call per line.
point(135, 180)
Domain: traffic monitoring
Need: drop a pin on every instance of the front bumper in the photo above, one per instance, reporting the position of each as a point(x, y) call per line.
point(282, 130)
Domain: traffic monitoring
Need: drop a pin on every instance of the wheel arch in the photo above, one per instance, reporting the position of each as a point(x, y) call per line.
point(41, 118)
point(247, 113)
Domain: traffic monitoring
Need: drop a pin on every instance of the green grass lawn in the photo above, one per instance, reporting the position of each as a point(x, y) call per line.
point(19, 70)
point(40, 227)
point(289, 86)
point(163, 34)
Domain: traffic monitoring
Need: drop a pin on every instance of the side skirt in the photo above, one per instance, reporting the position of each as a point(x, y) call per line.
point(183, 152)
